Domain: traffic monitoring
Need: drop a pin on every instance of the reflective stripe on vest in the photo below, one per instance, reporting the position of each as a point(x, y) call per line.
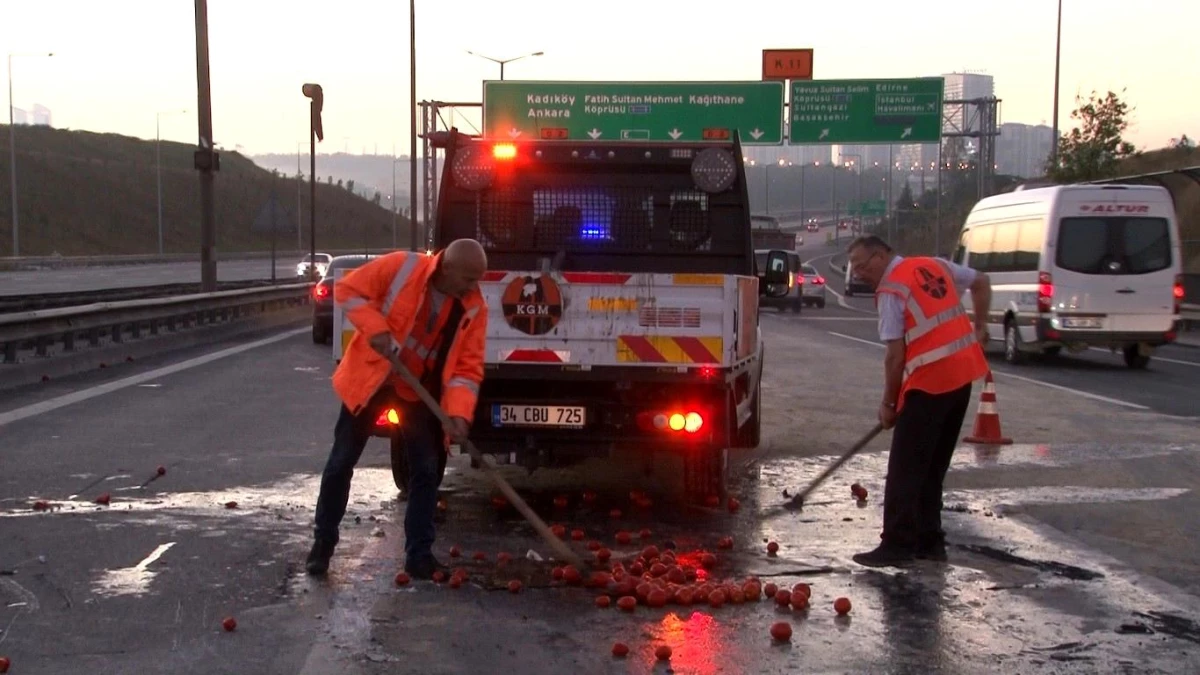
point(402, 275)
point(934, 355)
point(463, 382)
point(924, 325)
point(352, 303)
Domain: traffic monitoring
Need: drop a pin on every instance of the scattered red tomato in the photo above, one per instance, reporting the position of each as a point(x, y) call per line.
point(712, 501)
point(229, 624)
point(645, 533)
point(41, 505)
point(556, 573)
point(783, 598)
point(589, 496)
point(725, 543)
point(614, 514)
point(802, 588)
point(781, 631)
point(577, 535)
point(455, 551)
point(479, 556)
point(716, 598)
point(499, 503)
point(503, 558)
point(231, 505)
point(104, 499)
point(402, 578)
point(627, 603)
point(558, 531)
point(603, 555)
point(637, 569)
point(649, 553)
point(733, 504)
point(685, 596)
point(708, 560)
point(662, 653)
point(594, 545)
point(772, 548)
point(751, 591)
point(656, 598)
point(439, 576)
point(442, 505)
point(624, 537)
point(676, 575)
point(842, 606)
point(799, 601)
point(4, 662)
point(619, 649)
point(603, 601)
point(514, 586)
point(560, 502)
point(162, 470)
point(572, 575)
point(455, 582)
point(769, 589)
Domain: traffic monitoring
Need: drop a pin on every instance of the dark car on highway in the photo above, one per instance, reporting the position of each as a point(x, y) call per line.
point(322, 326)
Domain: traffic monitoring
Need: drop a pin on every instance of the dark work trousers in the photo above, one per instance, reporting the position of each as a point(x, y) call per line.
point(422, 441)
point(923, 442)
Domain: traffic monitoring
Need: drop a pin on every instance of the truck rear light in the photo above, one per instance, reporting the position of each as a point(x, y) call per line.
point(707, 372)
point(680, 422)
point(1045, 292)
point(391, 417)
point(504, 151)
point(1177, 293)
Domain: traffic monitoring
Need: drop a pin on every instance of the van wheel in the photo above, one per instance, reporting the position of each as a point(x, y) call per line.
point(1052, 351)
point(1012, 343)
point(1134, 358)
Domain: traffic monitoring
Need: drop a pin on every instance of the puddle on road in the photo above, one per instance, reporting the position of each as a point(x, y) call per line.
point(130, 580)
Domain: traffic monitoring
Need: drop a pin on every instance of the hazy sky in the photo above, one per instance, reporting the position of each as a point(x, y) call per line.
point(118, 62)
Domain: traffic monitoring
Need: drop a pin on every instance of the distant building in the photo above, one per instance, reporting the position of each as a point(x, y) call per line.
point(1022, 149)
point(41, 115)
point(20, 116)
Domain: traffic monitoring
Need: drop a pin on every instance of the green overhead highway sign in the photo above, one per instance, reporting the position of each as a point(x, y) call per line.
point(866, 111)
point(870, 207)
point(641, 111)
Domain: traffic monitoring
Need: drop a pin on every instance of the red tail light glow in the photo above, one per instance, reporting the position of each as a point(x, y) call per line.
point(320, 292)
point(820, 281)
point(1177, 292)
point(504, 151)
point(707, 372)
point(391, 416)
point(1045, 296)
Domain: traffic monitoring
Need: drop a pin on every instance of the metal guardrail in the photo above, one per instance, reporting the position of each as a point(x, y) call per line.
point(41, 329)
point(56, 262)
point(37, 301)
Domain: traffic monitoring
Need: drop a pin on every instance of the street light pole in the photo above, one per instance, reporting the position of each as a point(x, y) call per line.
point(504, 61)
point(1057, 59)
point(412, 124)
point(12, 149)
point(158, 167)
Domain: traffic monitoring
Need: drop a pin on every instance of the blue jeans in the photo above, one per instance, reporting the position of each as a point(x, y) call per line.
point(422, 440)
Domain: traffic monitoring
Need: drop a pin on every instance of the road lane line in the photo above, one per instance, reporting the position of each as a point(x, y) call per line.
point(1030, 380)
point(840, 298)
point(1164, 359)
point(109, 387)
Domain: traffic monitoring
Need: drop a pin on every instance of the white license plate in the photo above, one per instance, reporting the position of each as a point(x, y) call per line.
point(1083, 323)
point(508, 415)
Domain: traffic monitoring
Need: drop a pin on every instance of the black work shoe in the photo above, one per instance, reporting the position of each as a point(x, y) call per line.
point(423, 568)
point(934, 552)
point(318, 558)
point(885, 556)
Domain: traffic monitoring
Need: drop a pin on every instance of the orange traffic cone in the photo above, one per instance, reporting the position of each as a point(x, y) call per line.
point(987, 418)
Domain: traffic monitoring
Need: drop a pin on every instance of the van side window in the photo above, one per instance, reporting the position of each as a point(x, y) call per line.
point(979, 248)
point(960, 253)
point(1004, 247)
point(1029, 245)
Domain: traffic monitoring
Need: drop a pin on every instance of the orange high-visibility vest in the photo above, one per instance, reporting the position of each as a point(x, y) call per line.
point(387, 295)
point(941, 353)
point(420, 349)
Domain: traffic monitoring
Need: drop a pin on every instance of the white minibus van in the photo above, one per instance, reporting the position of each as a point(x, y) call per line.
point(1078, 266)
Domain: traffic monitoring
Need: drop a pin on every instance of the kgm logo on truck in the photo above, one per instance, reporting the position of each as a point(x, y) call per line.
point(532, 304)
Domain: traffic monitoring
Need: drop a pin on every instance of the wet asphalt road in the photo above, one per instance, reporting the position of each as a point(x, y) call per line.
point(69, 279)
point(1169, 385)
point(1041, 580)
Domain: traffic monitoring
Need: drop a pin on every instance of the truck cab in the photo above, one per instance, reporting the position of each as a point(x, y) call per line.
point(623, 296)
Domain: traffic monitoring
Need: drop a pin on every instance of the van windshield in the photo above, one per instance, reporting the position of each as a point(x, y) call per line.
point(1114, 245)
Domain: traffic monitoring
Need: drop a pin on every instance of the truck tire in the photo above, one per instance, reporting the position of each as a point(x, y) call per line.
point(706, 474)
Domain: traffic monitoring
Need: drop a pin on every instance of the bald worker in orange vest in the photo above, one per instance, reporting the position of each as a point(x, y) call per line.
point(934, 354)
point(428, 312)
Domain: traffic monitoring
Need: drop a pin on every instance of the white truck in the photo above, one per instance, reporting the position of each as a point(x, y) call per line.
point(623, 300)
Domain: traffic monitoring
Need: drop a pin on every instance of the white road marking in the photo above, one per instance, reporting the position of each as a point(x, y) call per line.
point(99, 390)
point(1030, 380)
point(1193, 364)
point(131, 580)
point(840, 298)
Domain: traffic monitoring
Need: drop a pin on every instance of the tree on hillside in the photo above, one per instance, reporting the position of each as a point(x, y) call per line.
point(1093, 150)
point(349, 185)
